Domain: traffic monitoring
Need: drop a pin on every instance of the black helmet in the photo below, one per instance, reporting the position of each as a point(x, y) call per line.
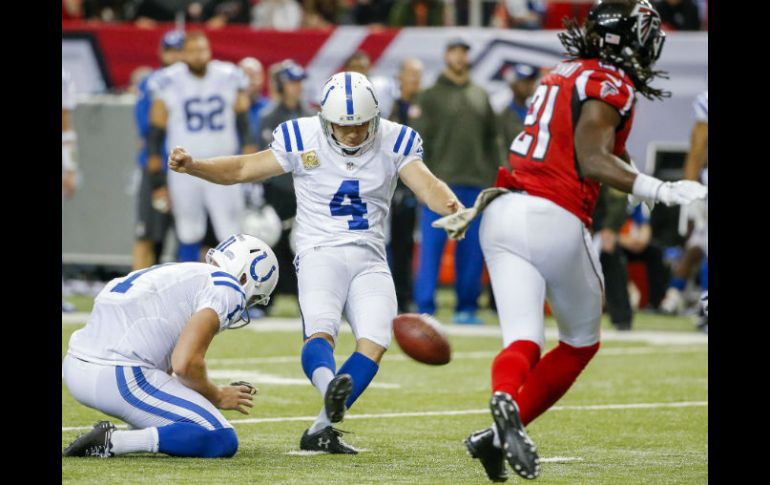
point(626, 32)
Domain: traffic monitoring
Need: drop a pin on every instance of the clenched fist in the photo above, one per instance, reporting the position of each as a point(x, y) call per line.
point(179, 160)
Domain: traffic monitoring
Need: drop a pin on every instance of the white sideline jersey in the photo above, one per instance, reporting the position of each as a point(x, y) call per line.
point(137, 319)
point(343, 199)
point(201, 114)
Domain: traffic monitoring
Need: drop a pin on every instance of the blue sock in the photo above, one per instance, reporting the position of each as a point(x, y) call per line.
point(678, 283)
point(316, 353)
point(189, 439)
point(704, 276)
point(362, 369)
point(189, 252)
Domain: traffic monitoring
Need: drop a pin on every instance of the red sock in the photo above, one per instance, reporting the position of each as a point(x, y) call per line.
point(551, 379)
point(512, 366)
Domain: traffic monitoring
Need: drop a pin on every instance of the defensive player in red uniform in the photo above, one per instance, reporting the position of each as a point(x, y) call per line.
point(535, 238)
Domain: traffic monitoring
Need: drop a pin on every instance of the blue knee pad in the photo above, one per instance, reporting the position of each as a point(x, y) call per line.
point(192, 440)
point(316, 353)
point(189, 252)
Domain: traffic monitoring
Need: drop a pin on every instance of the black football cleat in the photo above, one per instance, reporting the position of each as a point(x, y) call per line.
point(336, 395)
point(518, 448)
point(327, 440)
point(94, 443)
point(480, 445)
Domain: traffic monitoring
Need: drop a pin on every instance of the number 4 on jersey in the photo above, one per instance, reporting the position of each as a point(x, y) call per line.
point(356, 207)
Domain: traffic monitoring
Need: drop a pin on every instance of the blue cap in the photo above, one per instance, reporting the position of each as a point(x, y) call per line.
point(520, 71)
point(292, 72)
point(172, 39)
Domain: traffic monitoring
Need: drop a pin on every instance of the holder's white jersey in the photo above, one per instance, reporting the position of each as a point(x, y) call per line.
point(201, 114)
point(137, 319)
point(343, 199)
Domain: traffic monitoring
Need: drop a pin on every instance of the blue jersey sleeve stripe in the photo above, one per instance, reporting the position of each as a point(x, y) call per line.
point(231, 285)
point(297, 135)
point(410, 142)
point(286, 139)
point(400, 138)
point(224, 275)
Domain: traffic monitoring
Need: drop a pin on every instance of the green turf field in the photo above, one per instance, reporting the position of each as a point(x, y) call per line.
point(584, 440)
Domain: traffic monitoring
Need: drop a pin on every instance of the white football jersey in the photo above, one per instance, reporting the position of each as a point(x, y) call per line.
point(201, 114)
point(343, 199)
point(67, 91)
point(137, 319)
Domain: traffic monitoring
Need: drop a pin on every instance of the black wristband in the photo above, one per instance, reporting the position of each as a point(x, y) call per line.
point(157, 179)
point(156, 138)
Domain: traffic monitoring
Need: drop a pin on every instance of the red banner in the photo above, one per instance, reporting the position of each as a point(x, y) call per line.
point(126, 47)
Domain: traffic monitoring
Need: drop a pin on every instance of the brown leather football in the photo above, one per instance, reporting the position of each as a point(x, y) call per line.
point(422, 338)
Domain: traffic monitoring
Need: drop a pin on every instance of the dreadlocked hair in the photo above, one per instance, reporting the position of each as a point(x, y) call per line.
point(579, 46)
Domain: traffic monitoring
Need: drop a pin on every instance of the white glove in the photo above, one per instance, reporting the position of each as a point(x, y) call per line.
point(456, 224)
point(681, 192)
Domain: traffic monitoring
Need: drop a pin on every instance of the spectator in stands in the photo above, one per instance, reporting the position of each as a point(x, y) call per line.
point(417, 13)
point(147, 12)
point(520, 14)
point(256, 74)
point(277, 14)
point(462, 148)
point(462, 10)
point(72, 9)
point(321, 13)
point(609, 216)
point(678, 14)
point(403, 209)
point(522, 78)
point(218, 13)
point(636, 240)
point(371, 12)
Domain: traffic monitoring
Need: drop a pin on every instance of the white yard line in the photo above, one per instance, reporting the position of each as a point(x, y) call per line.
point(591, 407)
point(295, 325)
point(481, 354)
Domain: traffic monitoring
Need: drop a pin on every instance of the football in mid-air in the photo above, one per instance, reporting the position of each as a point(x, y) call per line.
point(422, 338)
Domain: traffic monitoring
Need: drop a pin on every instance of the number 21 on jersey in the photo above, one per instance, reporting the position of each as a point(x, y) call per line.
point(541, 115)
point(356, 207)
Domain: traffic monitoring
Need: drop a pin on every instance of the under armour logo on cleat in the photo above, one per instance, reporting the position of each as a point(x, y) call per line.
point(324, 442)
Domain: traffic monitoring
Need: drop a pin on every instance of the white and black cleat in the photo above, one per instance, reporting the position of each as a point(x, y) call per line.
point(94, 443)
point(328, 440)
point(518, 449)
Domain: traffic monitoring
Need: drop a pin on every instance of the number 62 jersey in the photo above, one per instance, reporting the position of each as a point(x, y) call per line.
point(343, 199)
point(542, 157)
